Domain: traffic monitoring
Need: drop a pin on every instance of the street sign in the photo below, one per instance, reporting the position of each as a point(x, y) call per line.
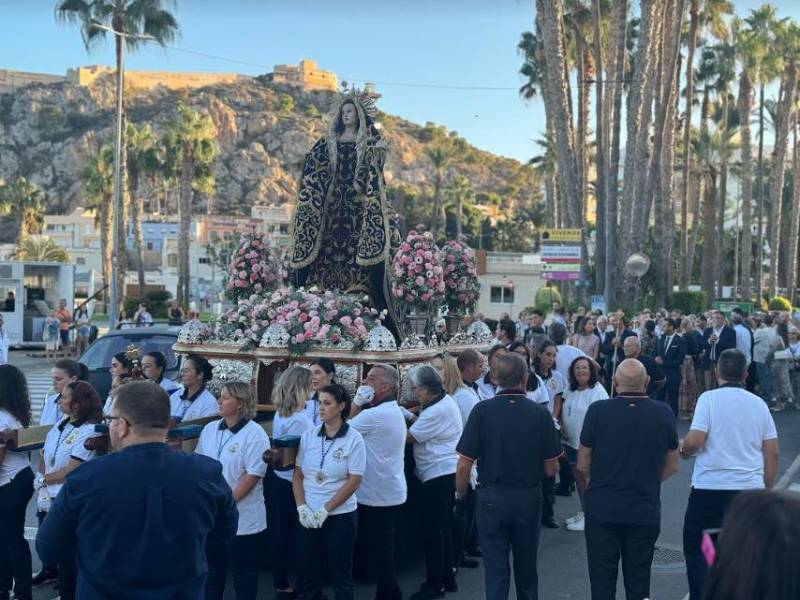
point(562, 267)
point(561, 235)
point(598, 303)
point(552, 252)
point(560, 276)
point(727, 307)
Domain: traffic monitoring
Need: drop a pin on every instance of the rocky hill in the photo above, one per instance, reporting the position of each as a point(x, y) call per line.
point(263, 130)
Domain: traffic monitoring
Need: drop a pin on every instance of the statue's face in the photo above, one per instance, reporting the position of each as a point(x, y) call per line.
point(349, 114)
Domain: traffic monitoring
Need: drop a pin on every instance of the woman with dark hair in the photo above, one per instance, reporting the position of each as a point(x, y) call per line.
point(648, 338)
point(16, 487)
point(64, 371)
point(758, 549)
point(535, 389)
point(585, 339)
point(323, 372)
point(194, 401)
point(64, 451)
point(83, 324)
point(584, 388)
point(487, 383)
point(154, 365)
point(121, 371)
point(330, 464)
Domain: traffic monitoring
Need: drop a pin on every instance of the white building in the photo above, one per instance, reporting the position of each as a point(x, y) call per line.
point(508, 283)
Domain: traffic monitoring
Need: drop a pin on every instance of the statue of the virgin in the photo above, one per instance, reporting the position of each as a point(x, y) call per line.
point(345, 231)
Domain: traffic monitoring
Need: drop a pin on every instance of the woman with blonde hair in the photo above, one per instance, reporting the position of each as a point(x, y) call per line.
point(291, 419)
point(238, 443)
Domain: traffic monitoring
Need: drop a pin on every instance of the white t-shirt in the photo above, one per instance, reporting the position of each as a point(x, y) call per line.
point(539, 395)
point(737, 423)
point(436, 432)
point(486, 389)
point(764, 341)
point(466, 399)
point(203, 405)
point(575, 406)
point(241, 451)
point(51, 412)
point(340, 457)
point(743, 342)
point(564, 356)
point(555, 384)
point(295, 424)
point(63, 442)
point(383, 428)
point(168, 386)
point(13, 462)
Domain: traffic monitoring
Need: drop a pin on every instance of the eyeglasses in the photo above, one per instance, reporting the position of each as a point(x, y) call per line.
point(110, 419)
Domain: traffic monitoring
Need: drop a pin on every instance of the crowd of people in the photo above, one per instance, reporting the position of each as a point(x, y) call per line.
point(561, 405)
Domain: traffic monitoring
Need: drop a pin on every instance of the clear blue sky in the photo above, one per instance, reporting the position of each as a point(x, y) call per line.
point(441, 42)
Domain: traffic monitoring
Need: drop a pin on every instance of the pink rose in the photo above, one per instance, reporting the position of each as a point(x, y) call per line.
point(419, 281)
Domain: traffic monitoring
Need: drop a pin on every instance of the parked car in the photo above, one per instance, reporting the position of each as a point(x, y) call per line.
point(98, 356)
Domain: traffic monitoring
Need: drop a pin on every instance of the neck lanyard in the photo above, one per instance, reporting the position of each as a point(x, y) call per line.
point(58, 443)
point(323, 453)
point(188, 401)
point(223, 442)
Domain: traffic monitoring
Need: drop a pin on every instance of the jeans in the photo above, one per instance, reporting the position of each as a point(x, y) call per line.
point(704, 511)
point(377, 524)
point(606, 543)
point(764, 380)
point(437, 497)
point(15, 554)
point(509, 520)
point(332, 543)
point(239, 554)
point(283, 523)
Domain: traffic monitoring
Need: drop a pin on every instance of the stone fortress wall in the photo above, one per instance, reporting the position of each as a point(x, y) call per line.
point(306, 75)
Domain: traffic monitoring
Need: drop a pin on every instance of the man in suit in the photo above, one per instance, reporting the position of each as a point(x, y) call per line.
point(670, 352)
point(716, 339)
point(138, 518)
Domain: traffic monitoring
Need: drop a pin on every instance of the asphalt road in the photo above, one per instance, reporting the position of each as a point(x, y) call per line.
point(562, 554)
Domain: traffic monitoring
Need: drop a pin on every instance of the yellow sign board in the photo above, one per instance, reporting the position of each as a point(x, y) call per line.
point(561, 235)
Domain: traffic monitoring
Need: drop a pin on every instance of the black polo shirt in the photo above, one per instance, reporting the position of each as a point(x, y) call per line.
point(510, 436)
point(629, 436)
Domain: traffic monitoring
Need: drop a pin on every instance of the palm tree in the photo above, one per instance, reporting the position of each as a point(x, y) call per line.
point(98, 188)
point(794, 218)
point(142, 158)
point(42, 249)
point(191, 145)
point(441, 152)
point(546, 166)
point(787, 37)
point(459, 194)
point(24, 200)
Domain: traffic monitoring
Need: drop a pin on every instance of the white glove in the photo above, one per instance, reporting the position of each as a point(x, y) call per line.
point(43, 500)
point(306, 516)
point(364, 395)
point(319, 517)
point(38, 483)
point(408, 415)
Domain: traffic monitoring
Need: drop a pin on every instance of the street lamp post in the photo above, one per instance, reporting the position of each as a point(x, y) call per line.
point(114, 293)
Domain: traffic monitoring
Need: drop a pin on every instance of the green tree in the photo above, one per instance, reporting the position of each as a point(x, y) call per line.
point(23, 199)
point(98, 188)
point(142, 159)
point(191, 150)
point(441, 152)
point(42, 249)
point(459, 194)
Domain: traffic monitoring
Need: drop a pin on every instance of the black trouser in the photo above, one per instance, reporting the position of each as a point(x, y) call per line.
point(671, 390)
point(704, 511)
point(15, 554)
point(548, 498)
point(66, 569)
point(283, 523)
point(565, 478)
point(606, 543)
point(463, 524)
point(332, 543)
point(437, 497)
point(509, 519)
point(376, 524)
point(239, 554)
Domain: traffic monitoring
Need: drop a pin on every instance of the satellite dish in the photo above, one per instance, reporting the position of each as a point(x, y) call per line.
point(637, 264)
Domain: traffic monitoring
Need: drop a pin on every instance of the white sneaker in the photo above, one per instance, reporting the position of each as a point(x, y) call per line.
point(574, 518)
point(576, 525)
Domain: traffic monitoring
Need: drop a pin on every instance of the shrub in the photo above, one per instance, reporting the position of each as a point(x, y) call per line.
point(780, 303)
point(689, 303)
point(157, 303)
point(544, 298)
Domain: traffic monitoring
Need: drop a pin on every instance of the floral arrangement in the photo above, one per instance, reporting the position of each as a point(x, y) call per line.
point(462, 287)
point(256, 268)
point(310, 318)
point(418, 275)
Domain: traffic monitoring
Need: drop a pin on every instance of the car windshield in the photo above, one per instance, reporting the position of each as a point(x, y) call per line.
point(99, 355)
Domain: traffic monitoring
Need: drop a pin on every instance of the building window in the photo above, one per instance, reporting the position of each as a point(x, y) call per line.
point(172, 260)
point(149, 245)
point(501, 295)
point(80, 261)
point(203, 260)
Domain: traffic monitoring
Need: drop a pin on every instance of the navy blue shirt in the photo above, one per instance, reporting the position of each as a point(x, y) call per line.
point(138, 520)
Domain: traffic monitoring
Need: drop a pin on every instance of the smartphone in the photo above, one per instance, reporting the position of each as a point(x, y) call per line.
point(708, 545)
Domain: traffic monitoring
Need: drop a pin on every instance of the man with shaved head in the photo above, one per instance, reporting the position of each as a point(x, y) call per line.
point(633, 349)
point(629, 445)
